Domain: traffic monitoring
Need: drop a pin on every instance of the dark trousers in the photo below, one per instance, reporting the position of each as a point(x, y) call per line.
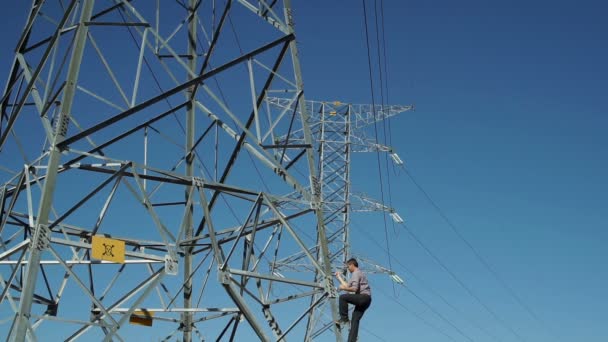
point(361, 303)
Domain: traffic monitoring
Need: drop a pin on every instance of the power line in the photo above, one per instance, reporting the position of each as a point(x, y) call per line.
point(384, 84)
point(461, 283)
point(390, 134)
point(371, 83)
point(476, 253)
point(430, 288)
point(383, 102)
point(405, 308)
point(371, 333)
point(439, 314)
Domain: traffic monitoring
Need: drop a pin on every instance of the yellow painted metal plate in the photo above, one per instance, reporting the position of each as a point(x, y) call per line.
point(142, 317)
point(108, 249)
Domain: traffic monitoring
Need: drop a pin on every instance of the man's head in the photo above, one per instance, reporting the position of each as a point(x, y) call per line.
point(352, 264)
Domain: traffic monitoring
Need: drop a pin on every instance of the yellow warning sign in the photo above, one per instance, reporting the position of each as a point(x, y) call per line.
point(108, 249)
point(142, 317)
point(337, 103)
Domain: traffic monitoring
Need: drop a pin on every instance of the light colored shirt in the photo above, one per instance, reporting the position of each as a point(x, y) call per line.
point(358, 280)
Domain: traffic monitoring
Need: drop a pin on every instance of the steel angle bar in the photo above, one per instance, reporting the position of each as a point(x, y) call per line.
point(323, 329)
point(42, 42)
point(284, 79)
point(99, 98)
point(81, 284)
point(189, 277)
point(226, 327)
point(157, 36)
point(85, 262)
point(119, 302)
point(306, 312)
point(187, 208)
point(149, 287)
point(261, 154)
point(241, 138)
point(38, 70)
point(22, 245)
point(246, 290)
point(158, 288)
point(262, 226)
point(108, 68)
point(275, 278)
point(28, 193)
point(168, 337)
point(139, 64)
point(294, 297)
point(117, 174)
point(144, 256)
point(274, 20)
point(168, 93)
point(167, 310)
point(109, 23)
point(107, 10)
point(224, 265)
point(191, 12)
point(145, 200)
point(249, 252)
point(255, 107)
point(246, 311)
point(39, 238)
point(11, 205)
point(211, 48)
point(64, 320)
point(265, 248)
point(218, 253)
point(29, 78)
point(205, 280)
point(8, 283)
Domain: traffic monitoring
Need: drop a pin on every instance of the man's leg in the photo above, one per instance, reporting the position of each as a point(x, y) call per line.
point(362, 302)
point(343, 305)
point(354, 324)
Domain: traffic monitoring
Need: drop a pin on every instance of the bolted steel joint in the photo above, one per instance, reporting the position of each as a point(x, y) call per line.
point(43, 237)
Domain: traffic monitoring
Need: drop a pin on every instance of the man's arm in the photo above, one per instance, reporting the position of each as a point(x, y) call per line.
point(343, 284)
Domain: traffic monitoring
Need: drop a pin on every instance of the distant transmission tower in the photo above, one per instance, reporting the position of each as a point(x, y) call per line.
point(337, 130)
point(144, 183)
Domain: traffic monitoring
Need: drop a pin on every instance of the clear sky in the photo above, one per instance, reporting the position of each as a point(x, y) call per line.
point(507, 140)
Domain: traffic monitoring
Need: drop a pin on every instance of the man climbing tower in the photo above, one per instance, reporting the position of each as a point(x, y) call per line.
point(358, 294)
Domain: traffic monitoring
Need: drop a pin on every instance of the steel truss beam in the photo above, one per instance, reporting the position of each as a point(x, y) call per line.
point(338, 130)
point(110, 128)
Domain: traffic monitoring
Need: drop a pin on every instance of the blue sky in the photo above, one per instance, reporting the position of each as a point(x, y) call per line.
point(508, 138)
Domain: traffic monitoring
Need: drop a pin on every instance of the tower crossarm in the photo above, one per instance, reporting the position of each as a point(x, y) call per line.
point(362, 115)
point(367, 114)
point(362, 203)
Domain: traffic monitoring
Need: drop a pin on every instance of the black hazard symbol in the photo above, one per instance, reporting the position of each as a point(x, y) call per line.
point(108, 250)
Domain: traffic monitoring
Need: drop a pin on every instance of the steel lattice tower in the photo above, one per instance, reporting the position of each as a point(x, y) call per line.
point(143, 181)
point(338, 129)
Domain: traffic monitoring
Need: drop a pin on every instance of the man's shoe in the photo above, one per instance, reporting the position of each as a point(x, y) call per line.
point(342, 321)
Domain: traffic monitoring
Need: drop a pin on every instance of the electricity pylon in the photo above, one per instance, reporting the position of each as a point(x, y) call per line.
point(338, 129)
point(140, 179)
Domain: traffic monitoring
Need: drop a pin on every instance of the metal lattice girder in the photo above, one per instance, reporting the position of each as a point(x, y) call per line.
point(338, 130)
point(143, 123)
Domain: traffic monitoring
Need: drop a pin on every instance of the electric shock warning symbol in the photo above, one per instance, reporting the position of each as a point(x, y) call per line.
point(108, 249)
